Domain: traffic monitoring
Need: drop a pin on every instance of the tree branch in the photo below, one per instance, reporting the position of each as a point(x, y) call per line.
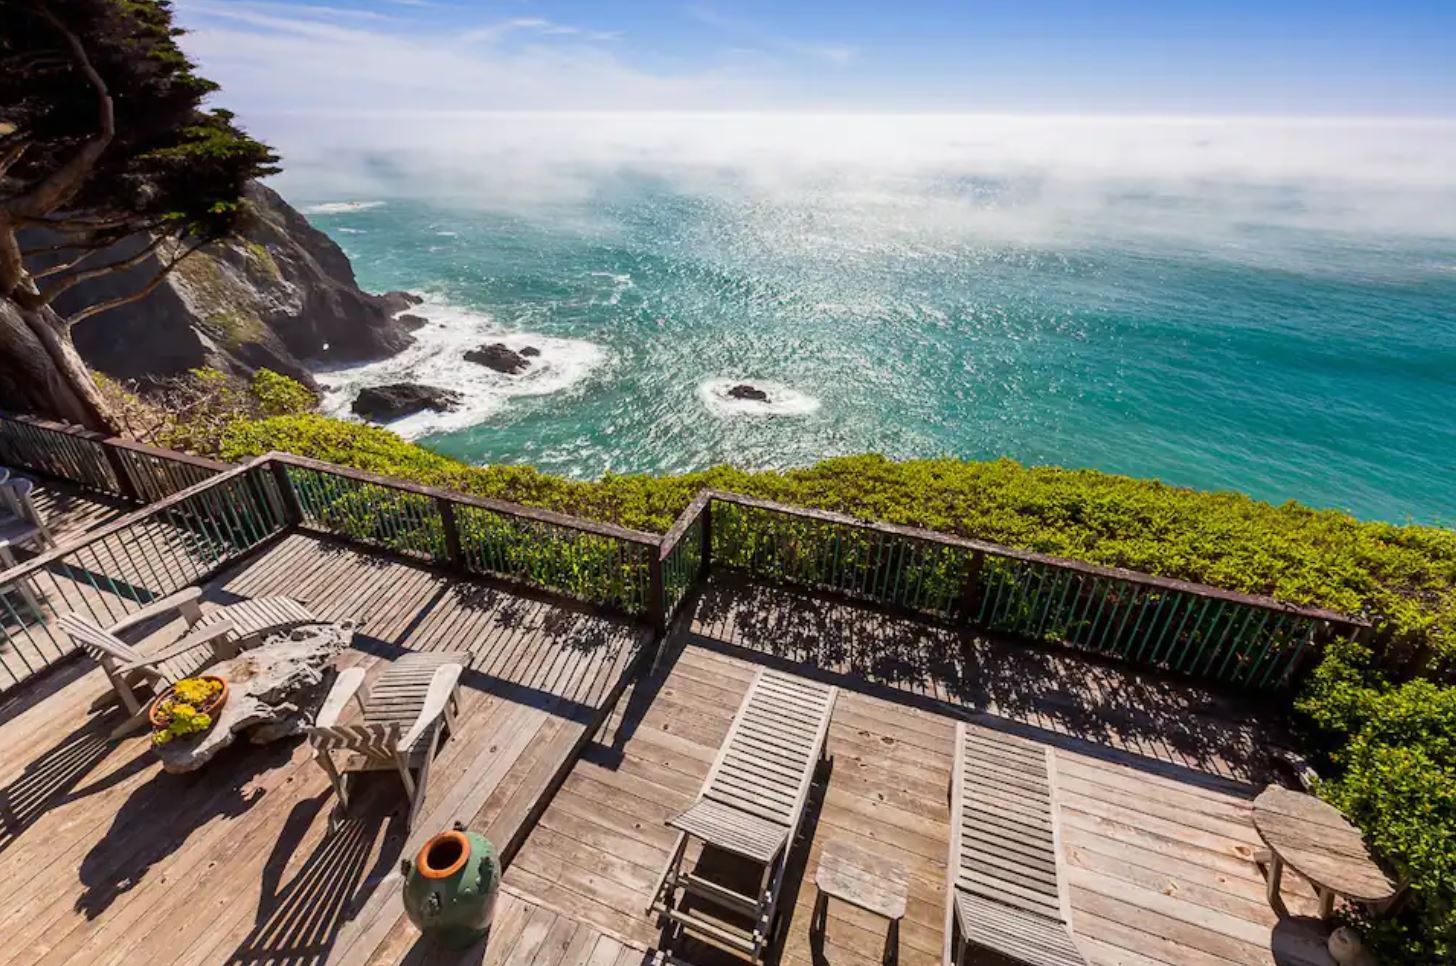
point(49, 293)
point(67, 266)
point(141, 293)
point(11, 155)
point(53, 190)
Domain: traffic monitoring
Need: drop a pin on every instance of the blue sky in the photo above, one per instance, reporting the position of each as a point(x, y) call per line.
point(1038, 56)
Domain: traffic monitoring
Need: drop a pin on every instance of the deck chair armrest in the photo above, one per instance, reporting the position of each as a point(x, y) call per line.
point(442, 685)
point(211, 634)
point(177, 601)
point(345, 687)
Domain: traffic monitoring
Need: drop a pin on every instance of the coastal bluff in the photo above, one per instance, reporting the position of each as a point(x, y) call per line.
point(281, 295)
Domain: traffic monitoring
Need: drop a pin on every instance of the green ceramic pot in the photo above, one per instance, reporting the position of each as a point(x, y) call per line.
point(451, 886)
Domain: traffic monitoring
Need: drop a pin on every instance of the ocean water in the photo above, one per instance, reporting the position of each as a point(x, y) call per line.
point(1281, 335)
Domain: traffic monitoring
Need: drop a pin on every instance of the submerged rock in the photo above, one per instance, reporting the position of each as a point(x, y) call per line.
point(499, 357)
point(745, 391)
point(399, 399)
point(411, 322)
point(531, 351)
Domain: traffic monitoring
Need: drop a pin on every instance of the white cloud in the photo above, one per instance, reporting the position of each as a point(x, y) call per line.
point(269, 60)
point(492, 33)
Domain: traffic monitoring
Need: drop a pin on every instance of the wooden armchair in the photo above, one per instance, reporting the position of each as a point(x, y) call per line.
point(405, 718)
point(129, 668)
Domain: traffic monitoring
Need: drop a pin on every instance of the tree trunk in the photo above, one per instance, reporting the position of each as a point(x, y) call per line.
point(41, 371)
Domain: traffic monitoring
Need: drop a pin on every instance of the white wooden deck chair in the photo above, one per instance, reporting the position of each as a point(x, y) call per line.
point(129, 667)
point(18, 514)
point(405, 718)
point(751, 806)
point(1004, 888)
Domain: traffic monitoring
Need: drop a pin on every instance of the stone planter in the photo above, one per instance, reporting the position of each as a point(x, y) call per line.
point(450, 888)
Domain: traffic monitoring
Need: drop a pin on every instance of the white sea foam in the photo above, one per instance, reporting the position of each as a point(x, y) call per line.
point(620, 283)
point(351, 231)
point(437, 359)
point(782, 400)
point(339, 207)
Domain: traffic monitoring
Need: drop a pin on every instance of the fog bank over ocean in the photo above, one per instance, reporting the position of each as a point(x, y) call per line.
point(1266, 305)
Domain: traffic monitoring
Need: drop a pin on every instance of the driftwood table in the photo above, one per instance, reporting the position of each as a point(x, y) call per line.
point(864, 880)
point(1319, 843)
point(274, 691)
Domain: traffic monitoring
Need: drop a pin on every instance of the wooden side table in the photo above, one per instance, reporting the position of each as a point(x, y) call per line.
point(1319, 843)
point(864, 880)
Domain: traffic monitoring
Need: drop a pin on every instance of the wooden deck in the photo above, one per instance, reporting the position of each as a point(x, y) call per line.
point(104, 859)
point(70, 511)
point(1159, 857)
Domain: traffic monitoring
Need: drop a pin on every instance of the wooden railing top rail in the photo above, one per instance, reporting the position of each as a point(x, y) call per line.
point(121, 523)
point(996, 550)
point(485, 503)
point(176, 456)
point(54, 426)
point(691, 512)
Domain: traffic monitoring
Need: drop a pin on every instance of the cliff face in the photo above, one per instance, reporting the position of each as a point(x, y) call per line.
point(280, 296)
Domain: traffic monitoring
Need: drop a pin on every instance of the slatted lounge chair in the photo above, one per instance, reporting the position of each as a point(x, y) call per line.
point(129, 668)
point(405, 717)
point(1004, 889)
point(750, 806)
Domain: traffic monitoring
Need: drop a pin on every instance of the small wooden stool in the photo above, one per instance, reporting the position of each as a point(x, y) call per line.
point(865, 881)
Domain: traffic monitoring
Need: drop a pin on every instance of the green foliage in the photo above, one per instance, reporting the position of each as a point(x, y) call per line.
point(1395, 751)
point(1402, 577)
point(278, 395)
point(208, 401)
point(169, 162)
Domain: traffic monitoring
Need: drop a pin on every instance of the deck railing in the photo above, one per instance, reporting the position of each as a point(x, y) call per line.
point(1243, 640)
point(117, 467)
point(1195, 629)
point(598, 563)
point(120, 568)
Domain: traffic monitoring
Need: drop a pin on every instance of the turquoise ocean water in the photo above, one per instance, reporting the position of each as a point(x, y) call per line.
point(1161, 334)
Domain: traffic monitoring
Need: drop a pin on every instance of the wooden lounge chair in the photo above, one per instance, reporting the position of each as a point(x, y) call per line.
point(405, 718)
point(750, 807)
point(1004, 889)
point(129, 668)
point(18, 516)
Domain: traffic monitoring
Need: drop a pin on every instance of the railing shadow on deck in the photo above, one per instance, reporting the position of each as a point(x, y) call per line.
point(299, 921)
point(51, 778)
point(1133, 717)
point(158, 818)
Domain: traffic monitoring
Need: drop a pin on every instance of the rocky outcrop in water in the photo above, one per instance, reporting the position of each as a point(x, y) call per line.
point(278, 295)
point(502, 358)
point(747, 392)
point(400, 399)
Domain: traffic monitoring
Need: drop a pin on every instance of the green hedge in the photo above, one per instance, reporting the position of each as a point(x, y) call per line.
point(1382, 721)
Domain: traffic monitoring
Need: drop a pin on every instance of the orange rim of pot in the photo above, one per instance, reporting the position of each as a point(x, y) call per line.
point(422, 860)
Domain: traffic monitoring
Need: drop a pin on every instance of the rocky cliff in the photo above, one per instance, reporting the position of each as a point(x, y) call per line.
point(281, 296)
